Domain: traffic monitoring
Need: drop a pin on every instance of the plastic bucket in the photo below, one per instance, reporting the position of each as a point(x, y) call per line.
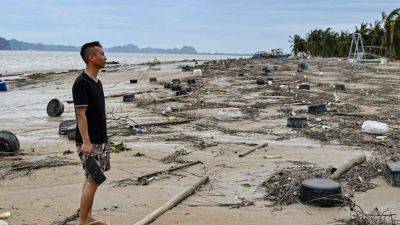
point(55, 108)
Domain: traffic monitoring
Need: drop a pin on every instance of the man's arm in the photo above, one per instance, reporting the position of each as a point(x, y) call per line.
point(83, 129)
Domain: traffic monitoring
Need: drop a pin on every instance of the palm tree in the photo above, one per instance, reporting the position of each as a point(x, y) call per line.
point(298, 44)
point(392, 29)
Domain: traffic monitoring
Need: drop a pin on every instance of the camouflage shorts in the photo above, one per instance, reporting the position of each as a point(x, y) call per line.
point(101, 153)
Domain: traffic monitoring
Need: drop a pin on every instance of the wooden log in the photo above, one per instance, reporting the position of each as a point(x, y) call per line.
point(173, 202)
point(253, 149)
point(347, 166)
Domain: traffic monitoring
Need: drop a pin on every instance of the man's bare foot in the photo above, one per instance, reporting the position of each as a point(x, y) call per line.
point(98, 222)
point(91, 219)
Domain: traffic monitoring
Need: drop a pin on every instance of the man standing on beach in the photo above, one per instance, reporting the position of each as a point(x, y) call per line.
point(91, 132)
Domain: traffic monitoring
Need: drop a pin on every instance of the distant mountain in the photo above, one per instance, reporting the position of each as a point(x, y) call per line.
point(4, 45)
point(130, 48)
point(135, 49)
point(21, 45)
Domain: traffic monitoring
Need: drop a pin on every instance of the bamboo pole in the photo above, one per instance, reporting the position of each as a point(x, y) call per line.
point(173, 202)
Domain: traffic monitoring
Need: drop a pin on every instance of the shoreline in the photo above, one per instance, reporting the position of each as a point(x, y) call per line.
point(215, 134)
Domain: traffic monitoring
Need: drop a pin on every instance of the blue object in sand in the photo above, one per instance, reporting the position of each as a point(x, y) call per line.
point(3, 86)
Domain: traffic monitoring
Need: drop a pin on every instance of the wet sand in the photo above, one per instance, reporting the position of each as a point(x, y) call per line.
point(48, 194)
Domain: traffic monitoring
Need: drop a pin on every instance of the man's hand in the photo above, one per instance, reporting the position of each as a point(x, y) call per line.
point(87, 149)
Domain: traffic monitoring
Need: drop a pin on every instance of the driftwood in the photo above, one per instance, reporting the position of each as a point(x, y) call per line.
point(68, 219)
point(350, 114)
point(163, 123)
point(173, 98)
point(126, 93)
point(144, 180)
point(173, 202)
point(347, 166)
point(253, 149)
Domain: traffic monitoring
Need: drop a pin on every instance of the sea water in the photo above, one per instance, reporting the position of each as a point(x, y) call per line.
point(28, 61)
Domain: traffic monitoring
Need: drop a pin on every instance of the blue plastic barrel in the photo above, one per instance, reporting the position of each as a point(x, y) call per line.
point(3, 86)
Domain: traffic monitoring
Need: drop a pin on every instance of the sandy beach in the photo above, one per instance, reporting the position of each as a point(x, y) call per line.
point(229, 114)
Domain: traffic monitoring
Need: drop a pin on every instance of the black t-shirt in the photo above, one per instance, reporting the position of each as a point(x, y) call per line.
point(88, 93)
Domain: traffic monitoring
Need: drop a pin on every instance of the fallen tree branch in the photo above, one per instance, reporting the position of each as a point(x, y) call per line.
point(253, 149)
point(173, 202)
point(347, 166)
point(144, 180)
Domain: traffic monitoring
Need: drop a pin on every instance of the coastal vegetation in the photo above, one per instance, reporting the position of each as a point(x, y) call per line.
point(381, 39)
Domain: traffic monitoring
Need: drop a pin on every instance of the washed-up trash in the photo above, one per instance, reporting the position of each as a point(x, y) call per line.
point(3, 86)
point(321, 126)
point(8, 142)
point(304, 66)
point(176, 81)
point(153, 79)
point(320, 192)
point(283, 87)
point(172, 118)
point(297, 122)
point(340, 87)
point(5, 215)
point(317, 108)
point(166, 110)
point(176, 87)
point(245, 185)
point(55, 108)
point(260, 81)
point(392, 173)
point(228, 114)
point(128, 98)
point(374, 127)
point(133, 81)
point(304, 87)
point(120, 147)
point(66, 126)
point(197, 72)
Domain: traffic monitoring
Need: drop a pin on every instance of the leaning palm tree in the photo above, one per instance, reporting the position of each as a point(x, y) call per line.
point(392, 29)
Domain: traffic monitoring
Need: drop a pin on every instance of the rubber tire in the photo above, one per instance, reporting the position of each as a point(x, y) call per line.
point(312, 190)
point(133, 81)
point(66, 126)
point(340, 87)
point(71, 135)
point(176, 87)
point(297, 122)
point(55, 108)
point(304, 87)
point(191, 81)
point(181, 92)
point(260, 81)
point(128, 98)
point(8, 142)
point(153, 79)
point(176, 81)
point(317, 109)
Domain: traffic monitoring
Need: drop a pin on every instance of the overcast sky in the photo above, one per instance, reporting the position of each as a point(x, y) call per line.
point(233, 26)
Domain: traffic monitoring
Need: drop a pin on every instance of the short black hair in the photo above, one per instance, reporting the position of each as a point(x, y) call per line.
point(88, 48)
